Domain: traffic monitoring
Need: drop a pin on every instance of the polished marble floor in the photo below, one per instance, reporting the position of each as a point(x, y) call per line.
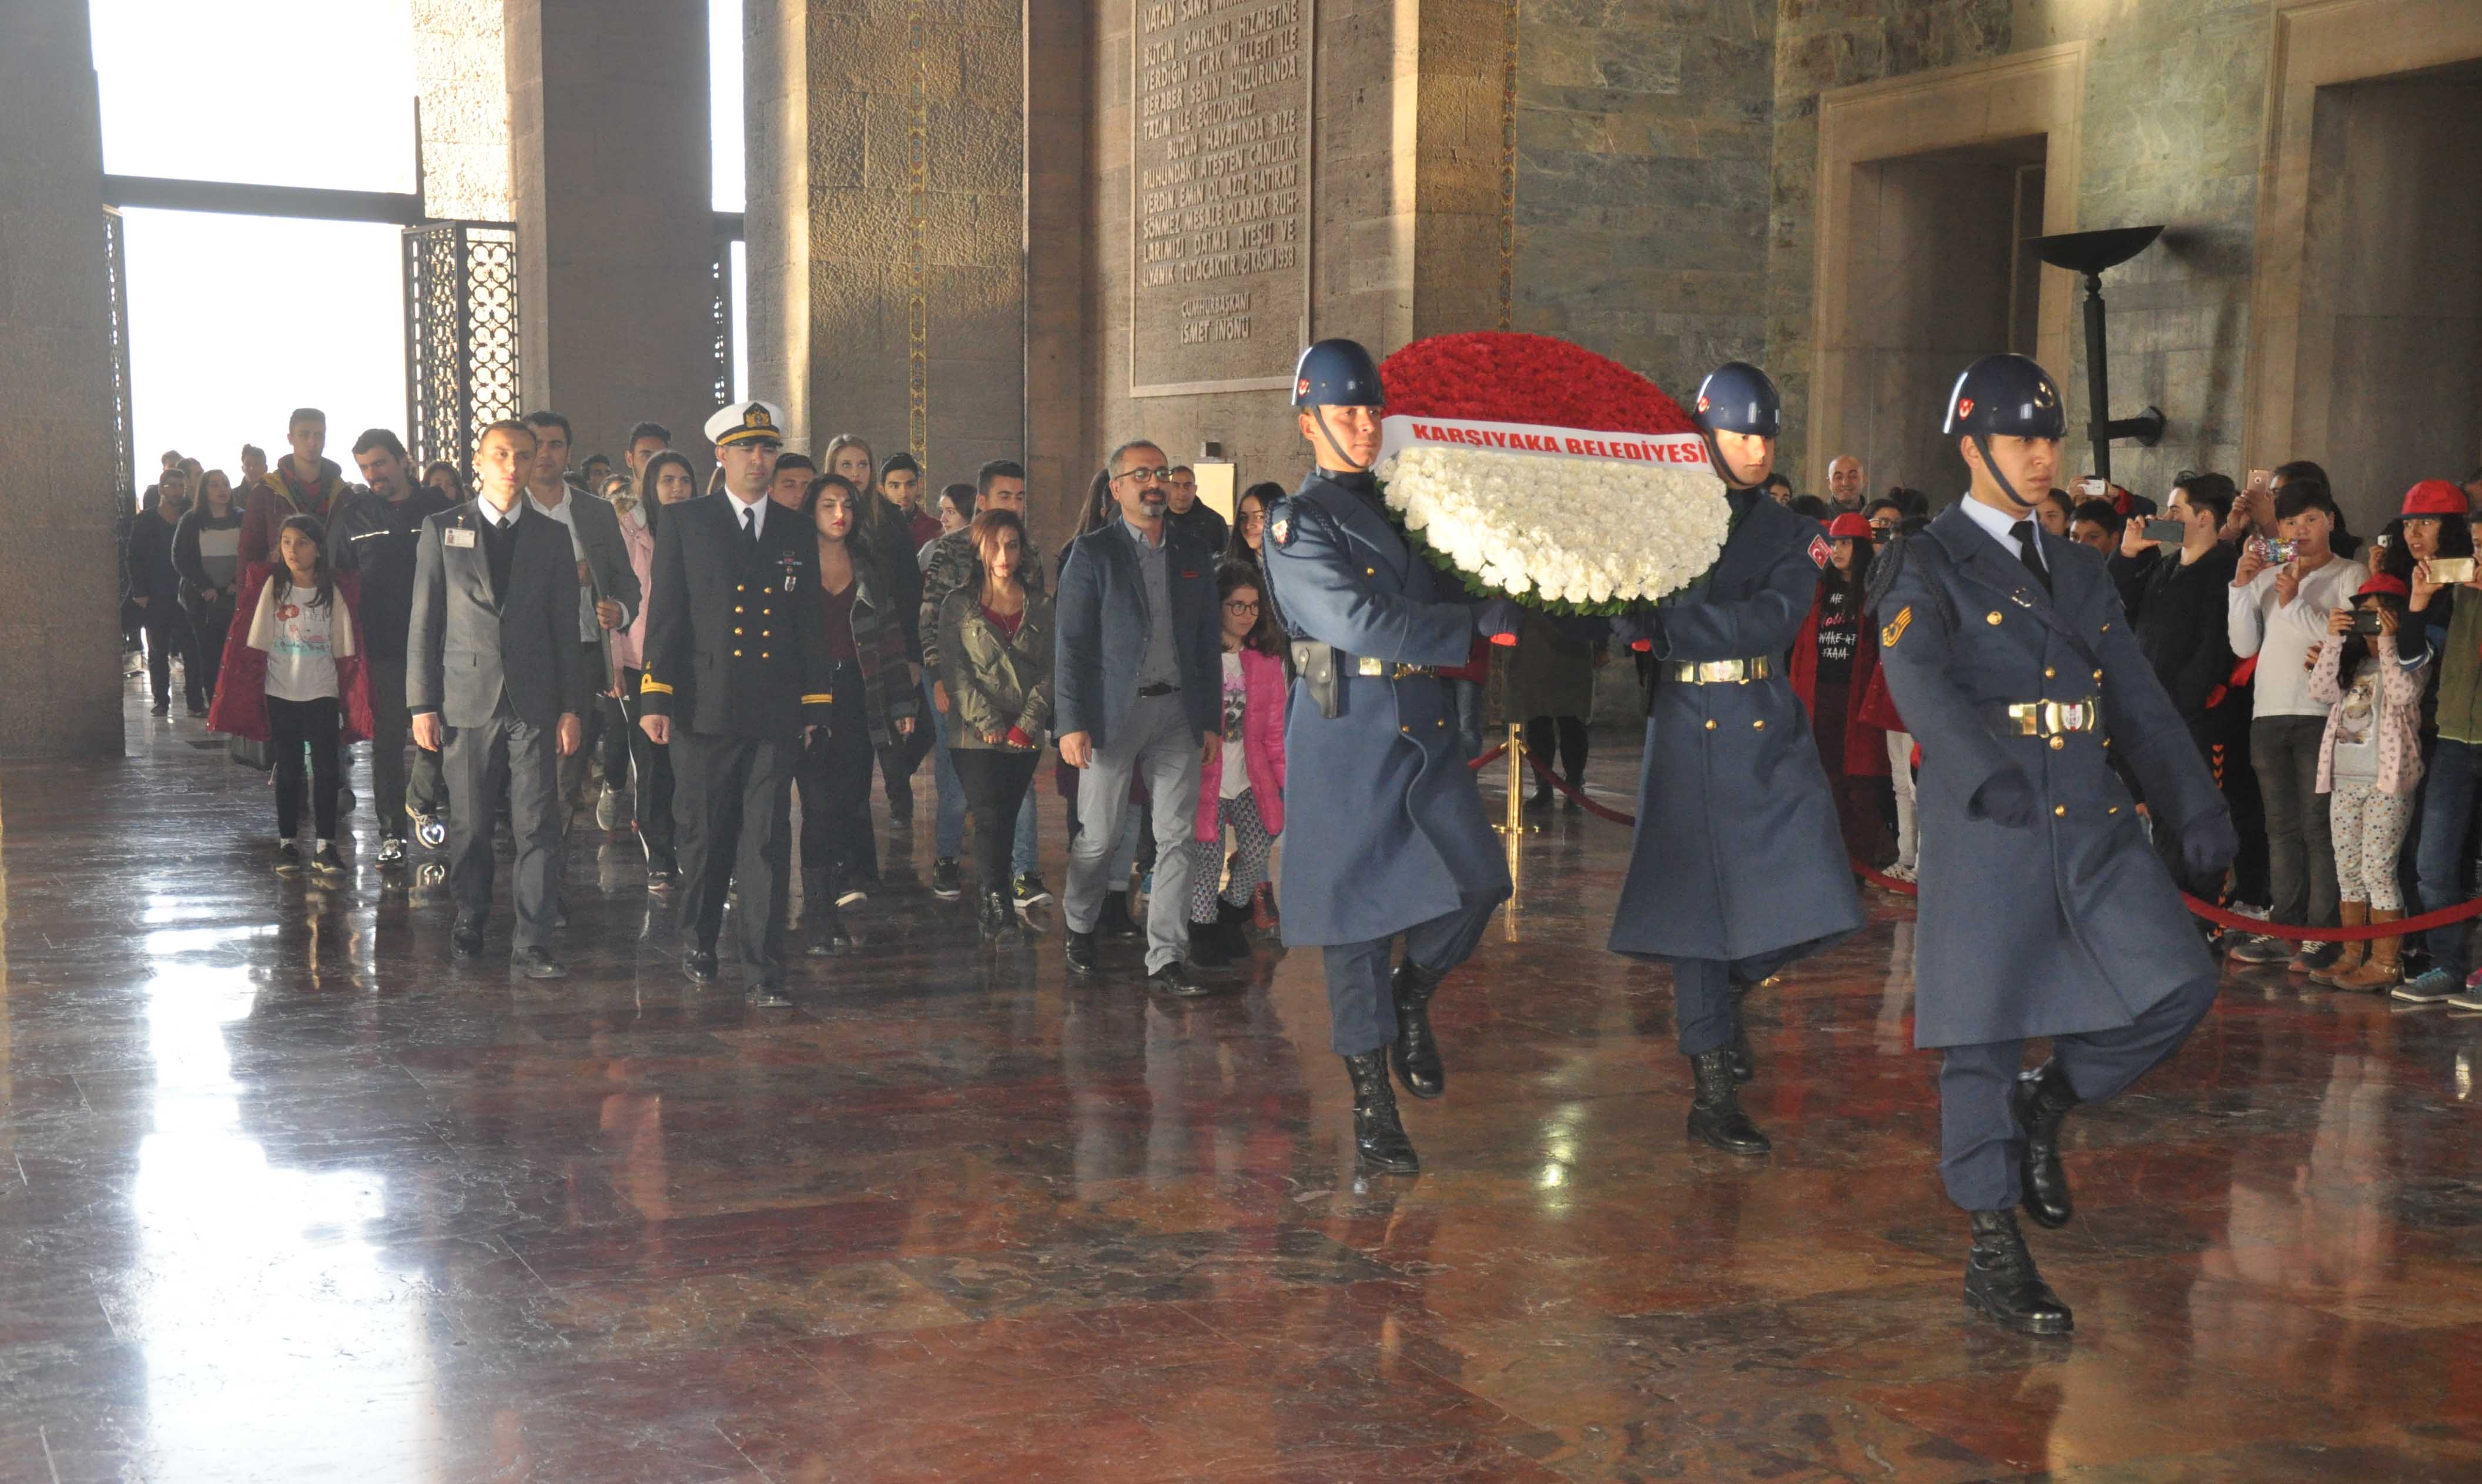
point(283, 1194)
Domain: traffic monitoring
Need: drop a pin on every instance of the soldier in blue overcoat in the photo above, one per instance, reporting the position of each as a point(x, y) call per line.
point(1385, 833)
point(1737, 866)
point(2045, 911)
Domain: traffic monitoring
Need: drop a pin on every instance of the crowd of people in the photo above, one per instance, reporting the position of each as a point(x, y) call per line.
point(2333, 685)
point(433, 614)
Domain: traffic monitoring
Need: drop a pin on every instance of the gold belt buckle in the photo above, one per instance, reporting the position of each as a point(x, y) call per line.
point(1369, 665)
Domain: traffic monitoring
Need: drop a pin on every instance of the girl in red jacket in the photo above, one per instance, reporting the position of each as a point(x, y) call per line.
point(293, 675)
point(1832, 664)
point(1244, 787)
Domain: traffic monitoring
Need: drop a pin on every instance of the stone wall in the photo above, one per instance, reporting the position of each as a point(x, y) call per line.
point(613, 189)
point(1643, 144)
point(60, 641)
point(461, 76)
point(885, 301)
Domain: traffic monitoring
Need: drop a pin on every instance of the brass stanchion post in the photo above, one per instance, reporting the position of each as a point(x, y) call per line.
point(1516, 781)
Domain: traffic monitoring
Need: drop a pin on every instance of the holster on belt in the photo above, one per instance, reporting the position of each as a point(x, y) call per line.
point(1317, 664)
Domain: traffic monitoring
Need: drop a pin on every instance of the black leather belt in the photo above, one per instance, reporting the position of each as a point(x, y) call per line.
point(1150, 692)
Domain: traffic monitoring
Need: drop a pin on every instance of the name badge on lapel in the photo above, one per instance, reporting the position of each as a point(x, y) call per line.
point(458, 535)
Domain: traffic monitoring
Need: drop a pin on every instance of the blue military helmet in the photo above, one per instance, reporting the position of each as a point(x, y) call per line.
point(2005, 395)
point(1736, 397)
point(1337, 373)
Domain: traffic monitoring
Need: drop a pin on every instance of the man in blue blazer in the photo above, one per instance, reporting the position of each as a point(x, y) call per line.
point(2045, 911)
point(1383, 831)
point(1137, 692)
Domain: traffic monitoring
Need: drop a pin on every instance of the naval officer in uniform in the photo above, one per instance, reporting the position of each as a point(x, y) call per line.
point(2044, 913)
point(736, 674)
point(1385, 835)
point(1736, 866)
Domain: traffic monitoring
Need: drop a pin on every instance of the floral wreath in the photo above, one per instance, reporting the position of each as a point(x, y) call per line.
point(1501, 463)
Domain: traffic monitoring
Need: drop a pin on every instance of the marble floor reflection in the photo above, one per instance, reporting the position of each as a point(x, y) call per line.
point(285, 1195)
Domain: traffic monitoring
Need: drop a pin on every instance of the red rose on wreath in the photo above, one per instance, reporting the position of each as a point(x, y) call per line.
point(1500, 376)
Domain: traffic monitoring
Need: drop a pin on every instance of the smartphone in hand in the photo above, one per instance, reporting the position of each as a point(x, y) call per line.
point(2166, 533)
point(2451, 569)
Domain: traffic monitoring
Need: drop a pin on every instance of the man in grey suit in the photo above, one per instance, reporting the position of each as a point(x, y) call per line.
point(608, 595)
point(495, 673)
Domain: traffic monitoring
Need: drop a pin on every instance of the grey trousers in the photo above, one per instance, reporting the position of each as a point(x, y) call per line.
point(1156, 743)
point(505, 754)
point(1979, 1138)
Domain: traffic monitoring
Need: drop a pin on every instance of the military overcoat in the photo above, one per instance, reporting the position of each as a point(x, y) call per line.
point(1384, 828)
point(1737, 853)
point(2066, 920)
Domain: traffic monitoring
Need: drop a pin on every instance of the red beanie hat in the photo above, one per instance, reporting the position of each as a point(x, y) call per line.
point(2434, 497)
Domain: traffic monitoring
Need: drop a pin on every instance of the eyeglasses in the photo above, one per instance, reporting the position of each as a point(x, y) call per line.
point(1146, 476)
point(1240, 607)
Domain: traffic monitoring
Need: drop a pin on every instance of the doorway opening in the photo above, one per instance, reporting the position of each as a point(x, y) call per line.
point(2389, 383)
point(1938, 272)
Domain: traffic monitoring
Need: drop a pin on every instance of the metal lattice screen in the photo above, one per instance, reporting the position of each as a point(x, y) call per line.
point(115, 269)
point(722, 271)
point(462, 367)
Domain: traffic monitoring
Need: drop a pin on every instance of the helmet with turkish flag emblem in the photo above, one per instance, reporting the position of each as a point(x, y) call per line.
point(1736, 397)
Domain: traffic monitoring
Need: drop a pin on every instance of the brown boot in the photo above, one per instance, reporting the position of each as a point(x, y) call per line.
point(2355, 914)
point(2385, 968)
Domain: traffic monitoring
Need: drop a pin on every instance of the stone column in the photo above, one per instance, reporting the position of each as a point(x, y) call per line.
point(461, 76)
point(886, 224)
point(60, 630)
point(610, 164)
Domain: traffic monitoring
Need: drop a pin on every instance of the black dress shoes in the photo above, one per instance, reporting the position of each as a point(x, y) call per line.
point(2001, 1281)
point(699, 965)
point(1114, 920)
point(1378, 1128)
point(1715, 1115)
point(1080, 952)
point(2041, 1100)
point(536, 964)
point(1174, 982)
point(1414, 1054)
point(466, 940)
point(997, 919)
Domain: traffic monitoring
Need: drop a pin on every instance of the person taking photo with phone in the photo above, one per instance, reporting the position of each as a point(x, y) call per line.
point(2370, 763)
point(2280, 596)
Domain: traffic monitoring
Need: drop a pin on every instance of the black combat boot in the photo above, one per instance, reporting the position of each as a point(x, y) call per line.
point(1745, 1061)
point(1378, 1131)
point(1416, 1051)
point(2001, 1281)
point(2041, 1100)
point(1715, 1115)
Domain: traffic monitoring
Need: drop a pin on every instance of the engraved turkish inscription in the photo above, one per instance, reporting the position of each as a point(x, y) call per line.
point(1220, 219)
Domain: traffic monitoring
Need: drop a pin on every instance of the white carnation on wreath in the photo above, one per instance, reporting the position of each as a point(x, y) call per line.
point(1614, 533)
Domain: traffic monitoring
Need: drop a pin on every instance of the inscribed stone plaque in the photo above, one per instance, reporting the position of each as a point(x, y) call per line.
point(1219, 208)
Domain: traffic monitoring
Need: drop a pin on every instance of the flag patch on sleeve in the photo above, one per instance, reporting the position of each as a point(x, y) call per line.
point(1819, 551)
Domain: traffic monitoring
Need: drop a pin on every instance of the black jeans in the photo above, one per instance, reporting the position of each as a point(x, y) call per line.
point(293, 725)
point(833, 778)
point(209, 624)
point(2300, 850)
point(994, 781)
point(167, 634)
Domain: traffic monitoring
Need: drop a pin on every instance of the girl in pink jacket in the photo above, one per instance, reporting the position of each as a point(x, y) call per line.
point(2369, 763)
point(1243, 788)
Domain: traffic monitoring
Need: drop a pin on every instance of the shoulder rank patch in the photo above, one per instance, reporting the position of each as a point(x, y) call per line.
point(1281, 529)
point(1820, 553)
point(1896, 627)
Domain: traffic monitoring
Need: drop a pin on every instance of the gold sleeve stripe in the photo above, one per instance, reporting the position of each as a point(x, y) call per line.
point(650, 686)
point(819, 701)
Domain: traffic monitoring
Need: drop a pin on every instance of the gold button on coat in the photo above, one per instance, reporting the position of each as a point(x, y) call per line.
point(1710, 725)
point(2062, 812)
point(2049, 673)
point(1760, 724)
point(2058, 743)
point(1994, 617)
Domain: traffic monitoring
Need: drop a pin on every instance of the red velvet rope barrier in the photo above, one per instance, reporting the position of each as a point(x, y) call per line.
point(2461, 913)
point(1492, 757)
